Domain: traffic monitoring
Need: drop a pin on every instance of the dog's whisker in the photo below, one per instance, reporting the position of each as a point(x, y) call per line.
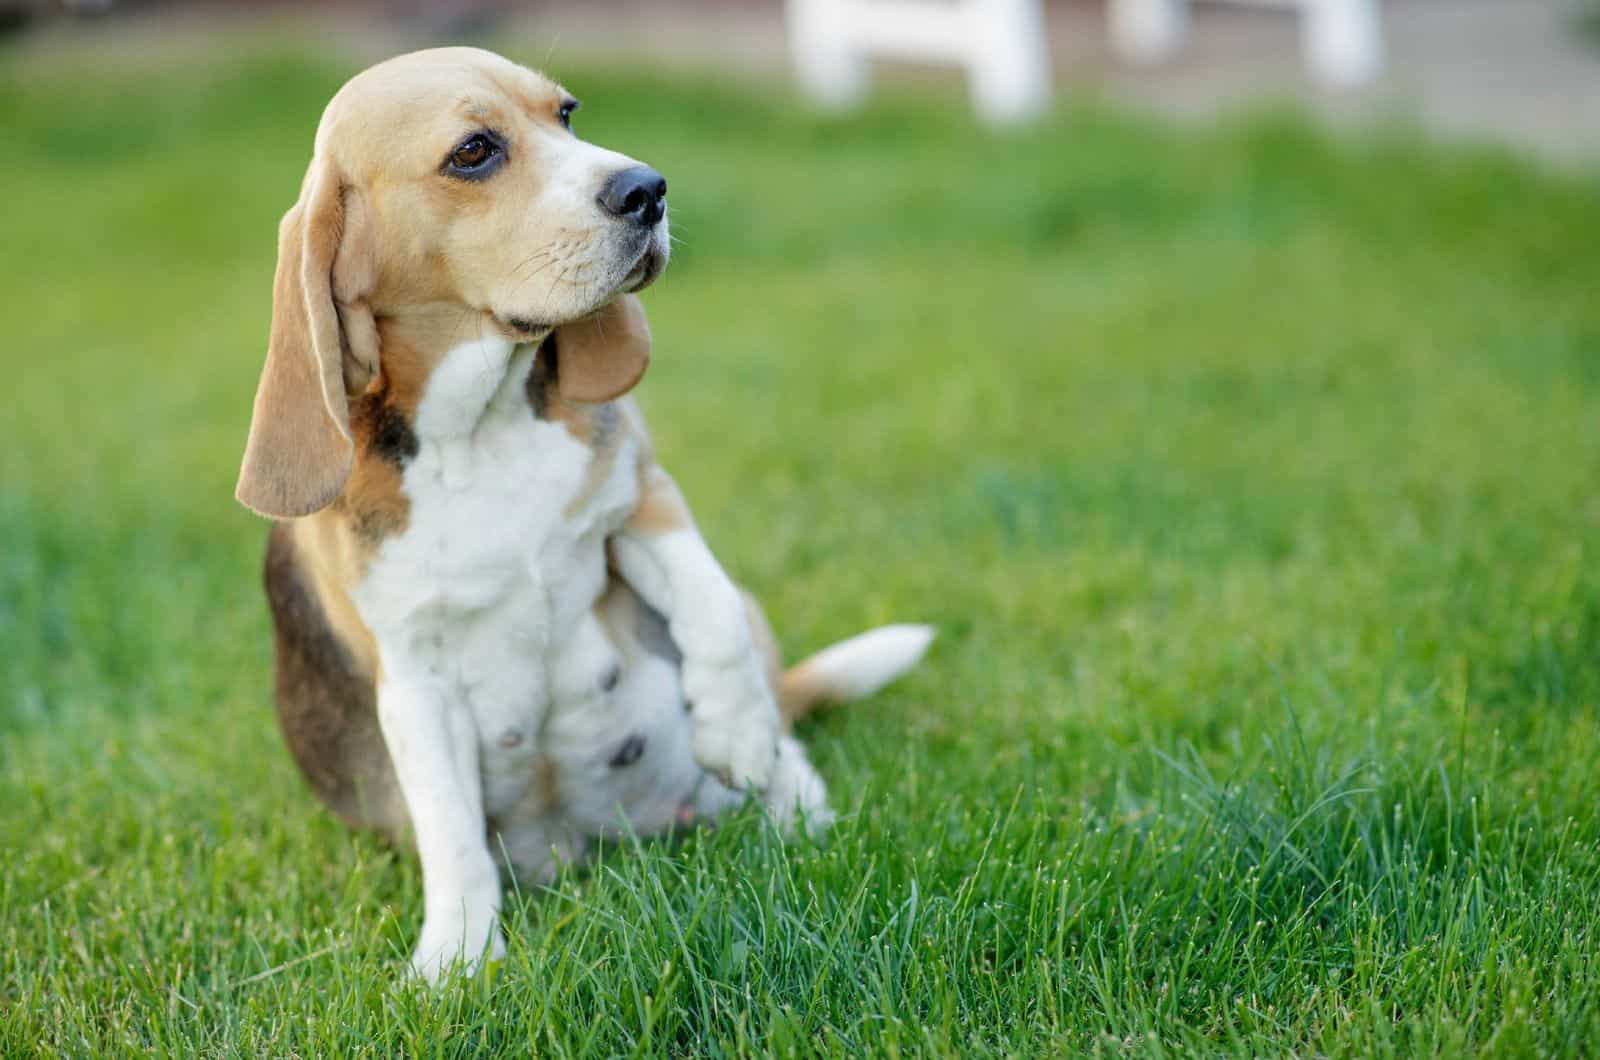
point(530, 259)
point(550, 51)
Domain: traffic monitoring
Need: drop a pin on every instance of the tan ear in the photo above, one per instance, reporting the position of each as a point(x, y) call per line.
point(323, 346)
point(603, 356)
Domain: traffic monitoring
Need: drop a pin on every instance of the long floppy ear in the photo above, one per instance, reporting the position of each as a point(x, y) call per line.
point(604, 355)
point(323, 346)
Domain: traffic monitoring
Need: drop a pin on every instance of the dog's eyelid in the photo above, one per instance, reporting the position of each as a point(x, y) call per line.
point(474, 132)
point(497, 153)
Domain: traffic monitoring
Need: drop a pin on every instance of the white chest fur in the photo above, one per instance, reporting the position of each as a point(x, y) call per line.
point(486, 596)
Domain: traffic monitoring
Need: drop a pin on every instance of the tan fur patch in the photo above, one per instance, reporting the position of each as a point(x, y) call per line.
point(661, 505)
point(766, 644)
point(374, 503)
point(331, 560)
point(601, 424)
point(326, 672)
point(547, 782)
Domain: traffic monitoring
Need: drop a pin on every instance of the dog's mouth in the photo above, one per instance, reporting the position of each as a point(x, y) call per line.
point(645, 271)
point(523, 328)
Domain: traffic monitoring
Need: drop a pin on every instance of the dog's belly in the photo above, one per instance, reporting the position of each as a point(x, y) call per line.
point(488, 592)
point(627, 761)
point(619, 764)
point(625, 765)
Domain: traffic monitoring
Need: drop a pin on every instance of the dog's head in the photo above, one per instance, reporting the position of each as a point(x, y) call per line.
point(446, 189)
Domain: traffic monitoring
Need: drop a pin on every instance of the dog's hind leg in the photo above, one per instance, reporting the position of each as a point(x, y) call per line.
point(326, 704)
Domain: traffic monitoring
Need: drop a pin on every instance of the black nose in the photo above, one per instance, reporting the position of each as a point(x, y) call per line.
point(638, 195)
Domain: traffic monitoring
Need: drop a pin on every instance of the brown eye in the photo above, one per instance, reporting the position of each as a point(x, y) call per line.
point(472, 153)
point(474, 157)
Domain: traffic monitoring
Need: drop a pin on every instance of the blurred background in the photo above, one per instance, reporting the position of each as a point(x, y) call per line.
point(1523, 72)
point(1220, 379)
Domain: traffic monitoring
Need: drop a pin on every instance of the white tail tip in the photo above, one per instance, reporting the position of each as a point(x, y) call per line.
point(856, 667)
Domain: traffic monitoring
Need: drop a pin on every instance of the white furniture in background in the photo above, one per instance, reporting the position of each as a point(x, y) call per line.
point(1342, 39)
point(1002, 44)
point(1005, 49)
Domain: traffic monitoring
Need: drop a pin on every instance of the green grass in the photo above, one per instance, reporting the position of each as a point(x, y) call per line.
point(1251, 478)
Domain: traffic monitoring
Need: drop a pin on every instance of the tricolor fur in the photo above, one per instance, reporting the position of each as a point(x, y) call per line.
point(497, 627)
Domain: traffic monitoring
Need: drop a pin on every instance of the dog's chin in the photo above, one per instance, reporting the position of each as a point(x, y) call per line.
point(649, 261)
point(522, 329)
point(645, 270)
point(648, 269)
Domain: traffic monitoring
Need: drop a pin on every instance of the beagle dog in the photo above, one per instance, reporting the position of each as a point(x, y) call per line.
point(498, 633)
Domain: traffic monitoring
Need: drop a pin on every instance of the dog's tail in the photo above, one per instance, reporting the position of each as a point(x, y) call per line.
point(851, 668)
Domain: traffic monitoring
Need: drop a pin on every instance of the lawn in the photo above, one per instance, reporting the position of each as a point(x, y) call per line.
point(1251, 478)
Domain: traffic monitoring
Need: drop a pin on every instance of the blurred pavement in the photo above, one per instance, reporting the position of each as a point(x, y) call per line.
point(1516, 72)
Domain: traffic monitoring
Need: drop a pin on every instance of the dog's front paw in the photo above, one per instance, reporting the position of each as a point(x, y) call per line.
point(798, 797)
point(452, 944)
point(741, 752)
point(736, 725)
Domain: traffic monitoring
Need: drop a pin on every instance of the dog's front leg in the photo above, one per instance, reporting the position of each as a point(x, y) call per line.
point(433, 742)
point(661, 554)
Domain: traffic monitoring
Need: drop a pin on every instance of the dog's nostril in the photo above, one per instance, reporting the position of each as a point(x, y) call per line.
point(636, 194)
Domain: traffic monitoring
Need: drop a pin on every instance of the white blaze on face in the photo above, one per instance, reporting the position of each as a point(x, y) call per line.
point(585, 254)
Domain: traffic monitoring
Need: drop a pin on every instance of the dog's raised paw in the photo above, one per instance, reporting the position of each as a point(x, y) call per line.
point(742, 751)
point(735, 718)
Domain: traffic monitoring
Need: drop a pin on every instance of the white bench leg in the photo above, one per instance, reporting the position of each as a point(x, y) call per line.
point(831, 69)
point(1343, 40)
point(1010, 63)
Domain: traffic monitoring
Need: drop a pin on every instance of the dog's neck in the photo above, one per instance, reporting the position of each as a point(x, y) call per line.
point(449, 372)
point(472, 379)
